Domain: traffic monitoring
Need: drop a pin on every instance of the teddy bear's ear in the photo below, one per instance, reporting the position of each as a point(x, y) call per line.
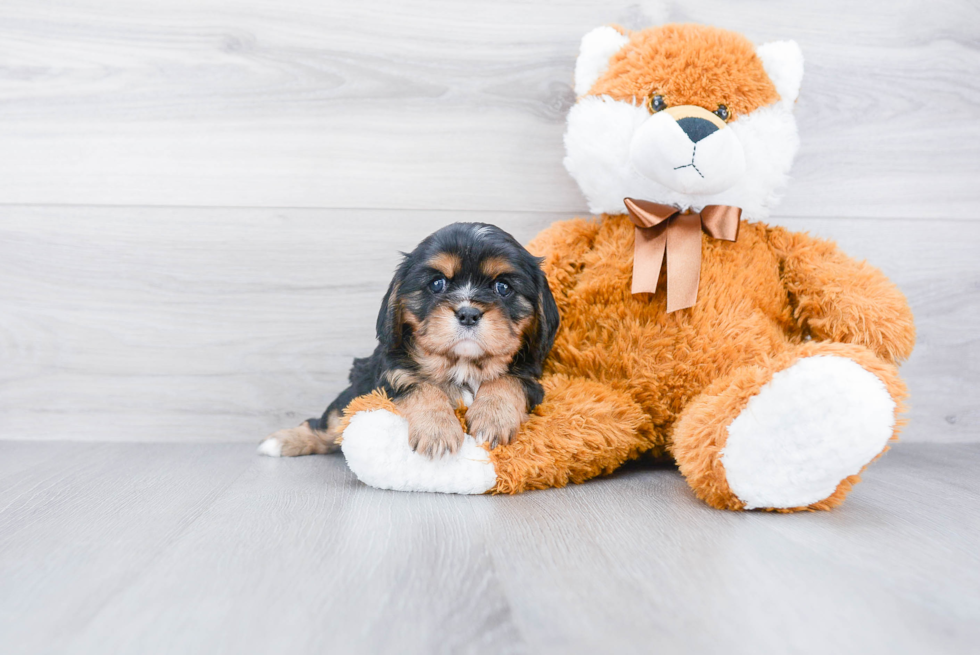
point(783, 61)
point(593, 57)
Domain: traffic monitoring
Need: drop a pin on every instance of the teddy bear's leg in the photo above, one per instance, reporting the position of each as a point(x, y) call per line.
point(791, 434)
point(582, 429)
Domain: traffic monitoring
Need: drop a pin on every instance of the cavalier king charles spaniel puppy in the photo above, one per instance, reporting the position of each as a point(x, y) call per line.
point(467, 318)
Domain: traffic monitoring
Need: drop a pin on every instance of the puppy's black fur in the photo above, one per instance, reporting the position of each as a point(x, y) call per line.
point(520, 293)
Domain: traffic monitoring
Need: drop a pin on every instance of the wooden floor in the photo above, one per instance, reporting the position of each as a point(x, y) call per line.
point(207, 548)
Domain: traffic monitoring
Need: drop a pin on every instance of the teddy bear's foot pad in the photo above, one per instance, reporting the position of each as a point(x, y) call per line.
point(815, 423)
point(375, 445)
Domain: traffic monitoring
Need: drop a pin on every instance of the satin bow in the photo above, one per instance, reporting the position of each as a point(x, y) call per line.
point(662, 229)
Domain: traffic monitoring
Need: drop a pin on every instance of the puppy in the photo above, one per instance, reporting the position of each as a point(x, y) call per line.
point(468, 317)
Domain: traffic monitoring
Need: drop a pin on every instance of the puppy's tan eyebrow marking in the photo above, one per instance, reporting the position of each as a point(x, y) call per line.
point(494, 266)
point(446, 263)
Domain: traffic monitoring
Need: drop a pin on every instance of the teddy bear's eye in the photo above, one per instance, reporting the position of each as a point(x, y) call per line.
point(722, 112)
point(656, 103)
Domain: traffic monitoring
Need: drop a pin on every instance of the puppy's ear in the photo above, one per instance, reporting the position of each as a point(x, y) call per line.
point(389, 325)
point(547, 321)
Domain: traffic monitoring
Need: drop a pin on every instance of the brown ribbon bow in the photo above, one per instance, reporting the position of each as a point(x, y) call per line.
point(664, 229)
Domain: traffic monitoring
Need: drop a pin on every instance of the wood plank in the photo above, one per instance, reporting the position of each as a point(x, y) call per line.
point(77, 531)
point(20, 460)
point(219, 324)
point(652, 565)
point(313, 104)
point(173, 548)
point(302, 557)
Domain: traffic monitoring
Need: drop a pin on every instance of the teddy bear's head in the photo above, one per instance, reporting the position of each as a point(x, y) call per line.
point(683, 115)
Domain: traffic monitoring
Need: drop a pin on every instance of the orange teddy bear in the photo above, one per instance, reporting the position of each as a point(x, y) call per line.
point(764, 362)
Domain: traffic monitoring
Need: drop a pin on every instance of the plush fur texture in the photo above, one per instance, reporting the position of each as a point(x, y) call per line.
point(597, 47)
point(812, 425)
point(785, 369)
point(607, 137)
point(744, 328)
point(377, 451)
point(375, 444)
point(689, 65)
point(783, 61)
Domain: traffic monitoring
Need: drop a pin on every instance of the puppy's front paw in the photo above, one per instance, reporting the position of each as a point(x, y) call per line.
point(497, 412)
point(433, 428)
point(493, 425)
point(434, 434)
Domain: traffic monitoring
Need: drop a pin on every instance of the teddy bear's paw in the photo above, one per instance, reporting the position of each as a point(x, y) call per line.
point(814, 424)
point(377, 450)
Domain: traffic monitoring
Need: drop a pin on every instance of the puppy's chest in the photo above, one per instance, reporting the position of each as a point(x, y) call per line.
point(461, 378)
point(463, 381)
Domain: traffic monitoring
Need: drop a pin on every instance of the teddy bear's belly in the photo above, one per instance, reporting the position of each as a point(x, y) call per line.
point(630, 342)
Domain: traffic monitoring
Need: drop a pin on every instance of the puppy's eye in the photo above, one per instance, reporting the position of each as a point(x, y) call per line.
point(501, 288)
point(656, 103)
point(722, 112)
point(437, 285)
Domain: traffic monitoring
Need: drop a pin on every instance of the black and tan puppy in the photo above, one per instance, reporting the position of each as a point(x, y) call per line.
point(468, 317)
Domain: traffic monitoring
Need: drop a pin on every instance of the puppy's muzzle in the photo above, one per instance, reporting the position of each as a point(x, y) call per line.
point(468, 316)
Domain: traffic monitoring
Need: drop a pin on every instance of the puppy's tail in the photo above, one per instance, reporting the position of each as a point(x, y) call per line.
point(318, 436)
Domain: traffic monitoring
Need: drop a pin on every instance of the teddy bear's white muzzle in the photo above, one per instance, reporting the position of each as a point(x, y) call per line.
point(691, 155)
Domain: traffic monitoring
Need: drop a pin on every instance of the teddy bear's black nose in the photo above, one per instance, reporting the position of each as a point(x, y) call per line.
point(468, 315)
point(697, 128)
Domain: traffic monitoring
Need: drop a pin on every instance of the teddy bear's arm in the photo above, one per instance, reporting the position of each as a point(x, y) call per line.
point(563, 246)
point(837, 298)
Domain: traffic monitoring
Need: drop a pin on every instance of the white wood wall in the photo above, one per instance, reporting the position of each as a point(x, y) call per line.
point(201, 200)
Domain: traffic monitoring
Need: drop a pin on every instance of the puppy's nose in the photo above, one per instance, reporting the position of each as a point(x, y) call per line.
point(468, 315)
point(697, 128)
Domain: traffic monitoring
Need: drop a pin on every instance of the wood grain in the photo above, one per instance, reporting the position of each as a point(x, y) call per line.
point(328, 104)
point(224, 324)
point(173, 316)
point(209, 549)
point(79, 529)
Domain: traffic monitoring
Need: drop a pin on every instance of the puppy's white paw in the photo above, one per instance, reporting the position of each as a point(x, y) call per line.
point(815, 423)
point(376, 447)
point(271, 447)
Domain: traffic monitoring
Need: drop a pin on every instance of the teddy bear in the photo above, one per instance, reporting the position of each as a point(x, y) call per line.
point(764, 362)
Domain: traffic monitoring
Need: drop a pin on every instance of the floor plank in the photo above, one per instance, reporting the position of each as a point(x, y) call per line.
point(313, 561)
point(206, 548)
point(80, 529)
point(328, 104)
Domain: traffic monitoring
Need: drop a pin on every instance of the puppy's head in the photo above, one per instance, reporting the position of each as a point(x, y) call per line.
point(470, 291)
